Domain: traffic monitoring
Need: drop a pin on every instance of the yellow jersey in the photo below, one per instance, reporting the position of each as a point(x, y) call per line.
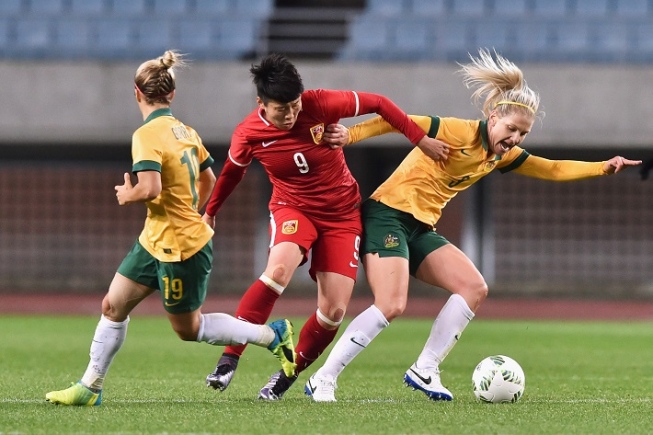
point(174, 230)
point(423, 187)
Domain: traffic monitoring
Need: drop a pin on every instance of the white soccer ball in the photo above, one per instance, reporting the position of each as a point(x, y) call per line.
point(498, 379)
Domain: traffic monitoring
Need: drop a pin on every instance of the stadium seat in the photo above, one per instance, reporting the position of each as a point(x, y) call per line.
point(424, 8)
point(88, 7)
point(254, 8)
point(4, 35)
point(114, 37)
point(237, 36)
point(129, 8)
point(492, 35)
point(453, 40)
point(33, 34)
point(209, 8)
point(469, 8)
point(153, 36)
point(196, 37)
point(509, 8)
point(644, 41)
point(548, 8)
point(411, 38)
point(610, 41)
point(632, 8)
point(73, 36)
point(532, 40)
point(592, 8)
point(386, 7)
point(173, 8)
point(46, 7)
point(10, 7)
point(572, 38)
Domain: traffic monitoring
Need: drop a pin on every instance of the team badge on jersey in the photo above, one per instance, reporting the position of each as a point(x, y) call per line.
point(289, 227)
point(317, 131)
point(489, 166)
point(391, 241)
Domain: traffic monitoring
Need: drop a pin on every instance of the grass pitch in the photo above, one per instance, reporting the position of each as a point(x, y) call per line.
point(581, 378)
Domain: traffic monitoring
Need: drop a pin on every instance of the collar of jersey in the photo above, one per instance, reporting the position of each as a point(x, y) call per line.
point(158, 112)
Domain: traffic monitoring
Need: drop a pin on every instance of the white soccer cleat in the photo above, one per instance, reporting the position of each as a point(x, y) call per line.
point(428, 382)
point(321, 388)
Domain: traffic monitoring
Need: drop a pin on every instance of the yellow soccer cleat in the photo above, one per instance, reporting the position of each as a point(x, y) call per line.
point(282, 346)
point(75, 395)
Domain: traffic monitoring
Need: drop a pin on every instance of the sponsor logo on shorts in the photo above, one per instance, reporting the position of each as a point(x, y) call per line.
point(391, 241)
point(317, 131)
point(289, 227)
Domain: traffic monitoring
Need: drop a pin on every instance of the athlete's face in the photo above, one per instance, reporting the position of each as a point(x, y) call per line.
point(505, 132)
point(281, 115)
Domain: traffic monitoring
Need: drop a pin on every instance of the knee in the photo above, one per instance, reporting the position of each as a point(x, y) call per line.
point(392, 308)
point(475, 293)
point(110, 312)
point(186, 334)
point(279, 273)
point(330, 318)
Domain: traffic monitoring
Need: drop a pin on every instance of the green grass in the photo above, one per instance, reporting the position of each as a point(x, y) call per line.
point(581, 378)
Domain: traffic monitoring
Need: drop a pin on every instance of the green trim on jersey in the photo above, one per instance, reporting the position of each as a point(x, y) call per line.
point(146, 165)
point(435, 127)
point(158, 112)
point(483, 127)
point(516, 163)
point(206, 164)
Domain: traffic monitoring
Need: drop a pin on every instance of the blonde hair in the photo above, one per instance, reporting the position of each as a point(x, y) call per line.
point(501, 83)
point(155, 78)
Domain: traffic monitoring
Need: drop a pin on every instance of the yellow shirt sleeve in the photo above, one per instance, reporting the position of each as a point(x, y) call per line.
point(559, 170)
point(378, 126)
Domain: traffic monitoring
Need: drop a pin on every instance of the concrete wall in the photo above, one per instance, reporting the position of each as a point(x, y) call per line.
point(587, 106)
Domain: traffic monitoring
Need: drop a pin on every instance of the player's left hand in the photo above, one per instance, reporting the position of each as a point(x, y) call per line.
point(122, 190)
point(336, 135)
point(619, 163)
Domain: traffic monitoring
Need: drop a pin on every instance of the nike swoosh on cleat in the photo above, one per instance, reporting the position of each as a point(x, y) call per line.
point(427, 381)
point(288, 354)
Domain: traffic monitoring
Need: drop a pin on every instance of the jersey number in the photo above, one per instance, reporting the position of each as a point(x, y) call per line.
point(173, 290)
point(192, 163)
point(301, 162)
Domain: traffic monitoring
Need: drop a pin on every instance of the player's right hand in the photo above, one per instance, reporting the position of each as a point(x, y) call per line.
point(434, 148)
point(210, 220)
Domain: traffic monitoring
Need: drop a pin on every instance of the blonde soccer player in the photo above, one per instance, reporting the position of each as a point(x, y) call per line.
point(400, 217)
point(173, 254)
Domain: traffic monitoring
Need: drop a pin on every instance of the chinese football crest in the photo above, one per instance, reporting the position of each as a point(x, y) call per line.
point(317, 131)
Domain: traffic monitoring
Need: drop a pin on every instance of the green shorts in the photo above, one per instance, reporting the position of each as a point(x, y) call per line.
point(393, 233)
point(182, 284)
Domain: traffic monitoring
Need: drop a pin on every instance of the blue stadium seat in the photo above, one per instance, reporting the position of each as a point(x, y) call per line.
point(610, 41)
point(510, 8)
point(644, 41)
point(632, 8)
point(174, 8)
point(492, 35)
point(114, 37)
point(4, 35)
point(88, 7)
point(73, 37)
point(33, 34)
point(369, 36)
point(532, 40)
point(207, 8)
point(453, 40)
point(591, 8)
point(548, 8)
point(237, 35)
point(153, 37)
point(386, 7)
point(10, 7)
point(46, 7)
point(424, 8)
point(411, 38)
point(474, 8)
point(254, 8)
point(129, 8)
point(196, 37)
point(573, 39)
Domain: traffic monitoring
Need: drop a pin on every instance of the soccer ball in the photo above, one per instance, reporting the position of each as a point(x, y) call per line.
point(498, 379)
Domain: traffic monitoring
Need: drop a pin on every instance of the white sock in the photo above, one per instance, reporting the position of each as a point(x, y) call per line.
point(107, 341)
point(224, 330)
point(447, 329)
point(360, 332)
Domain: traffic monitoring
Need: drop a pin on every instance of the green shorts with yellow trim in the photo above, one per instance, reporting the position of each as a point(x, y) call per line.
point(182, 284)
point(393, 233)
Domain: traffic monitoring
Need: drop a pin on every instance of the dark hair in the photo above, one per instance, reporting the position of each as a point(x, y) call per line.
point(276, 78)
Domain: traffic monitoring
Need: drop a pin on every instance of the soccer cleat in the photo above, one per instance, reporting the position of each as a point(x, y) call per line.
point(75, 395)
point(282, 346)
point(221, 377)
point(321, 388)
point(278, 384)
point(428, 382)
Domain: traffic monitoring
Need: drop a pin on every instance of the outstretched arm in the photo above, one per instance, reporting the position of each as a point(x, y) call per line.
point(569, 170)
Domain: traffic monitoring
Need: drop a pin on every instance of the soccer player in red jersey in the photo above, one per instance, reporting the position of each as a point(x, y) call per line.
point(314, 205)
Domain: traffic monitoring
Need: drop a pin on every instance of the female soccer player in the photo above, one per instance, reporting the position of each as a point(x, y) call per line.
point(400, 217)
point(174, 252)
point(314, 205)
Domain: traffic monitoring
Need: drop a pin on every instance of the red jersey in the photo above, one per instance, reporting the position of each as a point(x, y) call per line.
point(304, 171)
